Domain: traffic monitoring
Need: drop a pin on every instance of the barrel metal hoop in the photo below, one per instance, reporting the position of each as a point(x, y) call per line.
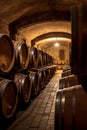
point(23, 78)
point(73, 108)
point(19, 50)
point(62, 109)
point(57, 110)
point(3, 87)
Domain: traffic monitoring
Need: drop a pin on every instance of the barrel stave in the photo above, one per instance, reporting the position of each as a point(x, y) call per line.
point(8, 98)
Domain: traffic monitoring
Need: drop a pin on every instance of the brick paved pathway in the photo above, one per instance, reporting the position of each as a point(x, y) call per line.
point(40, 113)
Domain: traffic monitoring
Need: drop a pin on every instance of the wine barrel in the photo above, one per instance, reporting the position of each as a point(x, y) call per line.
point(7, 54)
point(40, 58)
point(23, 84)
point(71, 109)
point(22, 55)
point(53, 69)
point(42, 78)
point(51, 60)
point(33, 56)
point(68, 81)
point(66, 73)
point(48, 59)
point(44, 59)
point(48, 74)
point(34, 82)
point(8, 98)
point(66, 67)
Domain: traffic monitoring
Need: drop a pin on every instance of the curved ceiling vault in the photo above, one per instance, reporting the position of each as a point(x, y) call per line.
point(37, 19)
point(38, 33)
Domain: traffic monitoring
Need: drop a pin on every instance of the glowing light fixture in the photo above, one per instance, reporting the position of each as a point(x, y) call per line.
point(56, 43)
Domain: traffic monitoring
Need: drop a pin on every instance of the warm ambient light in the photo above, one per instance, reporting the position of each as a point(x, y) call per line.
point(56, 44)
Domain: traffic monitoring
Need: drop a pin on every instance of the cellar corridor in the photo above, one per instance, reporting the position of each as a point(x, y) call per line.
point(43, 50)
point(39, 115)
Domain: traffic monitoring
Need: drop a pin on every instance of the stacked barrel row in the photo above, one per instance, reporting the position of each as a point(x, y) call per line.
point(67, 78)
point(22, 57)
point(23, 72)
point(38, 58)
point(70, 104)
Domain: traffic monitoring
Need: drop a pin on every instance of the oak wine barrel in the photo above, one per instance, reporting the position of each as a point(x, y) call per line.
point(42, 78)
point(33, 56)
point(48, 74)
point(66, 73)
point(7, 54)
point(40, 58)
point(45, 77)
point(66, 67)
point(8, 98)
point(71, 109)
point(22, 55)
point(68, 81)
point(44, 59)
point(23, 84)
point(53, 69)
point(34, 82)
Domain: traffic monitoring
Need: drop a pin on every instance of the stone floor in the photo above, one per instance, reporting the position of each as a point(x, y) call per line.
point(39, 115)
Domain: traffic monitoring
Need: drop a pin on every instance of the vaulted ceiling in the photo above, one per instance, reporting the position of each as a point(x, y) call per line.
point(37, 20)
